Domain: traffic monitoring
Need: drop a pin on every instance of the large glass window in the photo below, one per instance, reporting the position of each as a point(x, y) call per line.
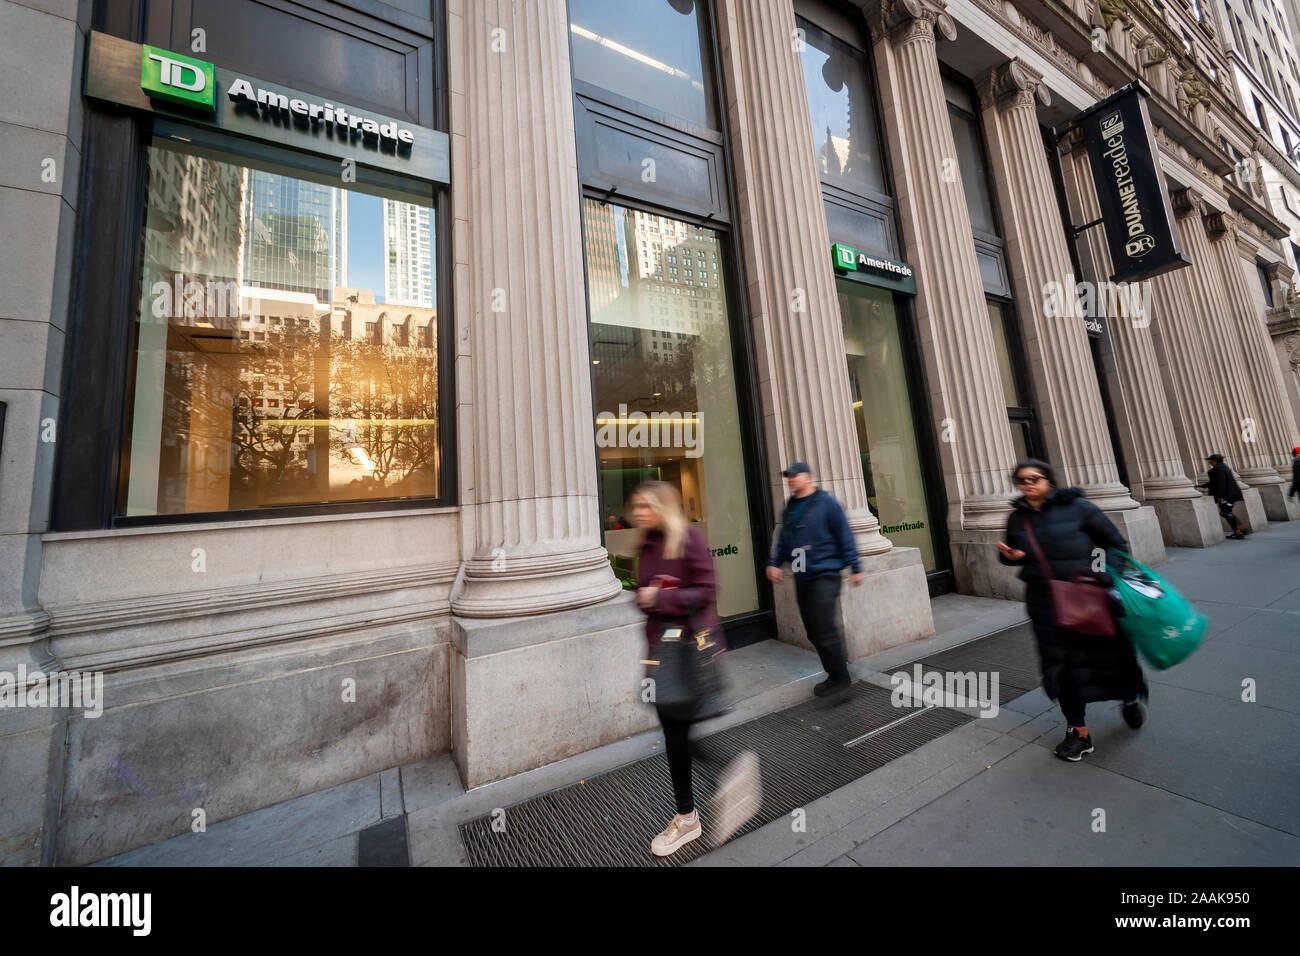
point(882, 410)
point(285, 345)
point(655, 52)
point(665, 384)
point(843, 118)
point(970, 157)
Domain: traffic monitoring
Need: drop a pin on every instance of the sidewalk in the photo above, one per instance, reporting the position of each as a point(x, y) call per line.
point(1209, 780)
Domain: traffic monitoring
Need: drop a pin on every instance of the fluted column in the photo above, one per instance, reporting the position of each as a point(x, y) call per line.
point(1213, 313)
point(956, 337)
point(537, 544)
point(1195, 405)
point(1137, 368)
point(1277, 431)
point(1060, 357)
point(803, 371)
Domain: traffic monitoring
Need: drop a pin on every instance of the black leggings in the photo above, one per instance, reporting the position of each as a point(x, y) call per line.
point(1072, 708)
point(677, 745)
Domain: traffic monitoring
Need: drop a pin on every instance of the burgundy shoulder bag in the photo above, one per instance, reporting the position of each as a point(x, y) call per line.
point(1077, 605)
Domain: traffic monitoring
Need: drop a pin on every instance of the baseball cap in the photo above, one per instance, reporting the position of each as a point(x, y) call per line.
point(1215, 457)
point(797, 468)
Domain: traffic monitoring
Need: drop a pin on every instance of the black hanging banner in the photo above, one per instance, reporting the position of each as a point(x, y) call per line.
point(1130, 187)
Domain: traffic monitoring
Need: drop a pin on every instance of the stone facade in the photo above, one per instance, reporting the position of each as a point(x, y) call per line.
point(493, 627)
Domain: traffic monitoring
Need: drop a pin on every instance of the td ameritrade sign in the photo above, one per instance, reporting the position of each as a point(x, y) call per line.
point(181, 91)
point(876, 270)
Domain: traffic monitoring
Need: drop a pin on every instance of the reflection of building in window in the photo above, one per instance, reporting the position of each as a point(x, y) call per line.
point(296, 233)
point(408, 263)
point(248, 395)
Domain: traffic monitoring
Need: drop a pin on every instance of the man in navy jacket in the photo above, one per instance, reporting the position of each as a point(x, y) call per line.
point(816, 541)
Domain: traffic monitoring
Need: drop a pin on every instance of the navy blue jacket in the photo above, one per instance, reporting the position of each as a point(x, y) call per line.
point(823, 534)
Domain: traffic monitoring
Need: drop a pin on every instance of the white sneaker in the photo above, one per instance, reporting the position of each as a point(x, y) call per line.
point(739, 796)
point(678, 834)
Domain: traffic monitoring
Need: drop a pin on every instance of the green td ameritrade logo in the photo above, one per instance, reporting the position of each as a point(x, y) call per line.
point(845, 257)
point(179, 79)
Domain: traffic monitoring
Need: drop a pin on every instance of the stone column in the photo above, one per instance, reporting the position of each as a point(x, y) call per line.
point(1203, 393)
point(1187, 518)
point(1060, 356)
point(1275, 432)
point(794, 309)
point(956, 339)
point(536, 545)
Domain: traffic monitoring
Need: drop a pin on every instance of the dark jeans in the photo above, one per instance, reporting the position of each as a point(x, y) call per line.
point(677, 745)
point(819, 606)
point(1225, 509)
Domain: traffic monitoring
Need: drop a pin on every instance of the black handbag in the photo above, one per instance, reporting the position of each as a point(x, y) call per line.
point(687, 685)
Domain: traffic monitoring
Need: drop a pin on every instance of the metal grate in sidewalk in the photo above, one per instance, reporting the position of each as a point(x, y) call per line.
point(610, 819)
point(805, 752)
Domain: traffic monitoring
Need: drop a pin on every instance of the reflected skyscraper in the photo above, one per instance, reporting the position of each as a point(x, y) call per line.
point(408, 262)
point(296, 233)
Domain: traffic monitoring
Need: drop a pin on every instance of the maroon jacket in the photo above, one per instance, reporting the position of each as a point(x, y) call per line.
point(692, 600)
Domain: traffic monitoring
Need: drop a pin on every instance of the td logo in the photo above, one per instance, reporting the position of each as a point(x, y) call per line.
point(845, 257)
point(179, 79)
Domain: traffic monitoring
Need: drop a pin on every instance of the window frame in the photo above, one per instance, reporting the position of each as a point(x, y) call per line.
point(106, 270)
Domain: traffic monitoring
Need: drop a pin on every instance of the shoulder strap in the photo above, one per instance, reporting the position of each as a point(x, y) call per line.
point(1033, 542)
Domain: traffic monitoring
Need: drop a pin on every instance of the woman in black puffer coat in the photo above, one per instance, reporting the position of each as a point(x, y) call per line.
point(1077, 668)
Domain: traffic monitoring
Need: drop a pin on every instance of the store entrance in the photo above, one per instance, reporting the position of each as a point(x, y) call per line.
point(884, 379)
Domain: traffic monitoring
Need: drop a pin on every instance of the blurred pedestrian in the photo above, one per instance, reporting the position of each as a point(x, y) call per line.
point(677, 591)
point(1055, 531)
point(1225, 491)
point(818, 544)
point(1294, 490)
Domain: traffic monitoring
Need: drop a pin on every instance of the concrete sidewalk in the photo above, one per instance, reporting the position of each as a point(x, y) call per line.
point(1209, 780)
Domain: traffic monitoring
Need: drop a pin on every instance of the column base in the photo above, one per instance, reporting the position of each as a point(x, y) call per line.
point(976, 568)
point(1250, 510)
point(1141, 529)
point(1188, 522)
point(527, 691)
point(890, 607)
point(512, 585)
point(1277, 505)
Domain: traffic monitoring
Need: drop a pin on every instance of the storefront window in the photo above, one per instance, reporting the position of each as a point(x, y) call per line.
point(1001, 344)
point(285, 345)
point(843, 118)
point(655, 52)
point(882, 410)
point(665, 385)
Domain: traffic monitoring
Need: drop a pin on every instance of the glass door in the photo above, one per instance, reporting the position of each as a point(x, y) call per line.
point(883, 403)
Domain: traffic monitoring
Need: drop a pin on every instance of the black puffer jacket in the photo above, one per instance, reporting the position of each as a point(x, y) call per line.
point(1068, 528)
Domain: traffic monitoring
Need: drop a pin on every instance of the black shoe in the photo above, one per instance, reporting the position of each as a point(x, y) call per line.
point(1134, 714)
point(834, 690)
point(1073, 747)
point(1237, 536)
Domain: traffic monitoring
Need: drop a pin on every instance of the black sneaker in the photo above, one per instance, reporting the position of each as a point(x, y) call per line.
point(1073, 747)
point(836, 691)
point(1134, 714)
point(1238, 536)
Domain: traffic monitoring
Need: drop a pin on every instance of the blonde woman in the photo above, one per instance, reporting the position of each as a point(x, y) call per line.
point(676, 588)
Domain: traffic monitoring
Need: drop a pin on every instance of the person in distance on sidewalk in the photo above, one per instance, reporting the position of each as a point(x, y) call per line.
point(1225, 491)
point(1077, 668)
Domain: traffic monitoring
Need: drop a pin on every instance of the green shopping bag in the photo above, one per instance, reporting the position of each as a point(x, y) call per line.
point(1163, 625)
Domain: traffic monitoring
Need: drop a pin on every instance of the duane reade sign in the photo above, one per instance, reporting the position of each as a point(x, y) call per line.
point(1130, 188)
point(197, 93)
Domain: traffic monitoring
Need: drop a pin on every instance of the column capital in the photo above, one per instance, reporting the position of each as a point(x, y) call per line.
point(906, 20)
point(1187, 201)
point(1012, 85)
point(1222, 225)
